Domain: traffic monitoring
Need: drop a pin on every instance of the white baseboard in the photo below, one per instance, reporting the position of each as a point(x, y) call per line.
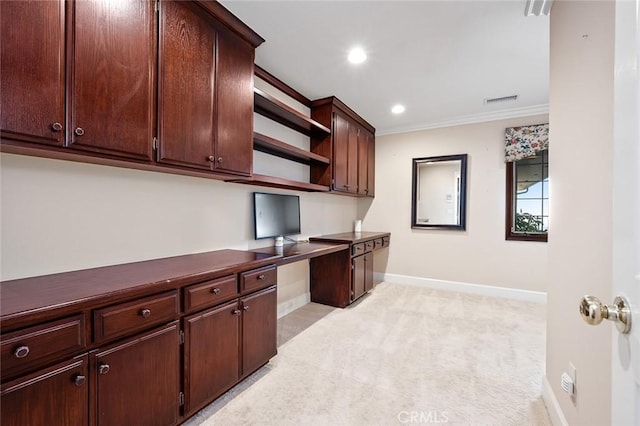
point(486, 290)
point(553, 406)
point(291, 305)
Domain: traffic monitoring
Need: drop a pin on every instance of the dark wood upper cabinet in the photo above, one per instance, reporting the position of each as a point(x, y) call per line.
point(54, 396)
point(186, 93)
point(234, 94)
point(366, 163)
point(137, 381)
point(32, 64)
point(351, 146)
point(206, 108)
point(111, 77)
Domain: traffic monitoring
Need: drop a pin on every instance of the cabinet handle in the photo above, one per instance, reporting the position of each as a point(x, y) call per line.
point(56, 127)
point(79, 131)
point(103, 369)
point(261, 277)
point(21, 352)
point(215, 290)
point(245, 308)
point(236, 312)
point(211, 158)
point(146, 313)
point(79, 380)
point(219, 159)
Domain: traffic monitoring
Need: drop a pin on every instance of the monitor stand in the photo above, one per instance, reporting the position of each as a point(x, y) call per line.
point(279, 241)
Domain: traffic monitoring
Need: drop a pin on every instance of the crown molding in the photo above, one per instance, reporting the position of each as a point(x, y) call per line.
point(471, 119)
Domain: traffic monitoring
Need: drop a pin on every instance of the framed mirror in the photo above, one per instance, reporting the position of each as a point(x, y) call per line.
point(438, 195)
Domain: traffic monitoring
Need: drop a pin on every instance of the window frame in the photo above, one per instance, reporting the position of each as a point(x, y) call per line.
point(509, 216)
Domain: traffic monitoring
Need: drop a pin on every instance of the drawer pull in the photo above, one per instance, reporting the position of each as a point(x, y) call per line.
point(79, 380)
point(245, 308)
point(56, 127)
point(215, 290)
point(236, 312)
point(103, 369)
point(79, 131)
point(146, 313)
point(21, 352)
point(261, 277)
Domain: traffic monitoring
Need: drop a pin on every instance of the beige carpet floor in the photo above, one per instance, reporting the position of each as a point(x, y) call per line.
point(402, 355)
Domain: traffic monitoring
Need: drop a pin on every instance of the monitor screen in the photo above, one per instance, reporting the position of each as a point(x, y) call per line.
point(275, 215)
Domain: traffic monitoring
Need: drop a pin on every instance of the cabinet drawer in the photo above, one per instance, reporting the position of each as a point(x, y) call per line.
point(357, 249)
point(368, 246)
point(258, 278)
point(385, 242)
point(377, 243)
point(36, 346)
point(210, 293)
point(128, 318)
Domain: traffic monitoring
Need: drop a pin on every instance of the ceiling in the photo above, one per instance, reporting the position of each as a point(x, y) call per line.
point(440, 59)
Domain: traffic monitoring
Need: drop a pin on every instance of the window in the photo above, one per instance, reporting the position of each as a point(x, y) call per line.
point(527, 209)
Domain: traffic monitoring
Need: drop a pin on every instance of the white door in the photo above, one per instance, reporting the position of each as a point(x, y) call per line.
point(625, 393)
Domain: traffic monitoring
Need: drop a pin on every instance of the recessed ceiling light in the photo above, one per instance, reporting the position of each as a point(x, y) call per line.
point(398, 109)
point(357, 55)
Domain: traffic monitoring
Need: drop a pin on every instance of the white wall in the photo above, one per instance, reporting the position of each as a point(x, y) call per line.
point(60, 216)
point(479, 255)
point(581, 167)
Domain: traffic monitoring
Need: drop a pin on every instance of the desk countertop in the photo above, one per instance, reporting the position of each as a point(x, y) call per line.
point(349, 237)
point(300, 251)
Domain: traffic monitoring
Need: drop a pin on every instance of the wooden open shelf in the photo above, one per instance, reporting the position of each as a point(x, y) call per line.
point(270, 107)
point(276, 182)
point(281, 149)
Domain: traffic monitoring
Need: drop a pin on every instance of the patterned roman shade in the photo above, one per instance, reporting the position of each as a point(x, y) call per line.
point(525, 141)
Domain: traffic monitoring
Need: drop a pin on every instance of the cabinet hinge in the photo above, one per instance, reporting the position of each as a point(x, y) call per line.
point(181, 337)
point(181, 397)
point(155, 144)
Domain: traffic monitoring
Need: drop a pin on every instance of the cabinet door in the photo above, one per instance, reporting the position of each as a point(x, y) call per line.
point(55, 396)
point(357, 277)
point(368, 272)
point(111, 87)
point(234, 94)
point(259, 329)
point(186, 91)
point(137, 381)
point(32, 71)
point(345, 155)
point(365, 163)
point(211, 354)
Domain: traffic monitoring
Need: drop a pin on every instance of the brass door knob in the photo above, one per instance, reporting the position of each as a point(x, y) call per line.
point(56, 127)
point(215, 290)
point(103, 369)
point(146, 313)
point(79, 380)
point(79, 131)
point(593, 312)
point(236, 312)
point(211, 158)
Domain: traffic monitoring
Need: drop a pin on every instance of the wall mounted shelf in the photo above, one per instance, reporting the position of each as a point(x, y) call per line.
point(281, 149)
point(276, 182)
point(270, 107)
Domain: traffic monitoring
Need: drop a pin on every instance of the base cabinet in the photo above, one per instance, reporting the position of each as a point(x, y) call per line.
point(137, 381)
point(211, 354)
point(53, 396)
point(259, 329)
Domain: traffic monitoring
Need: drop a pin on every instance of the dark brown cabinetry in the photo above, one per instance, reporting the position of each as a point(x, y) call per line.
point(137, 381)
point(32, 59)
point(351, 147)
point(57, 395)
point(111, 77)
point(84, 77)
point(154, 341)
point(341, 278)
point(259, 329)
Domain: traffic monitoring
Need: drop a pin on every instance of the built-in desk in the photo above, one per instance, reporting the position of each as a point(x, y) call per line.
point(301, 251)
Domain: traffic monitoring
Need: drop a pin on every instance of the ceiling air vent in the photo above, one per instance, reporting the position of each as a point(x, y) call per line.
point(502, 99)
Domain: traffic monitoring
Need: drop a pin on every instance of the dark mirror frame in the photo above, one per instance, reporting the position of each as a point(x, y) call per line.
point(462, 214)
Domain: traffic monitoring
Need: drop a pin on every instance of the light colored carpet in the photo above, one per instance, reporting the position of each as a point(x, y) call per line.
point(403, 355)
